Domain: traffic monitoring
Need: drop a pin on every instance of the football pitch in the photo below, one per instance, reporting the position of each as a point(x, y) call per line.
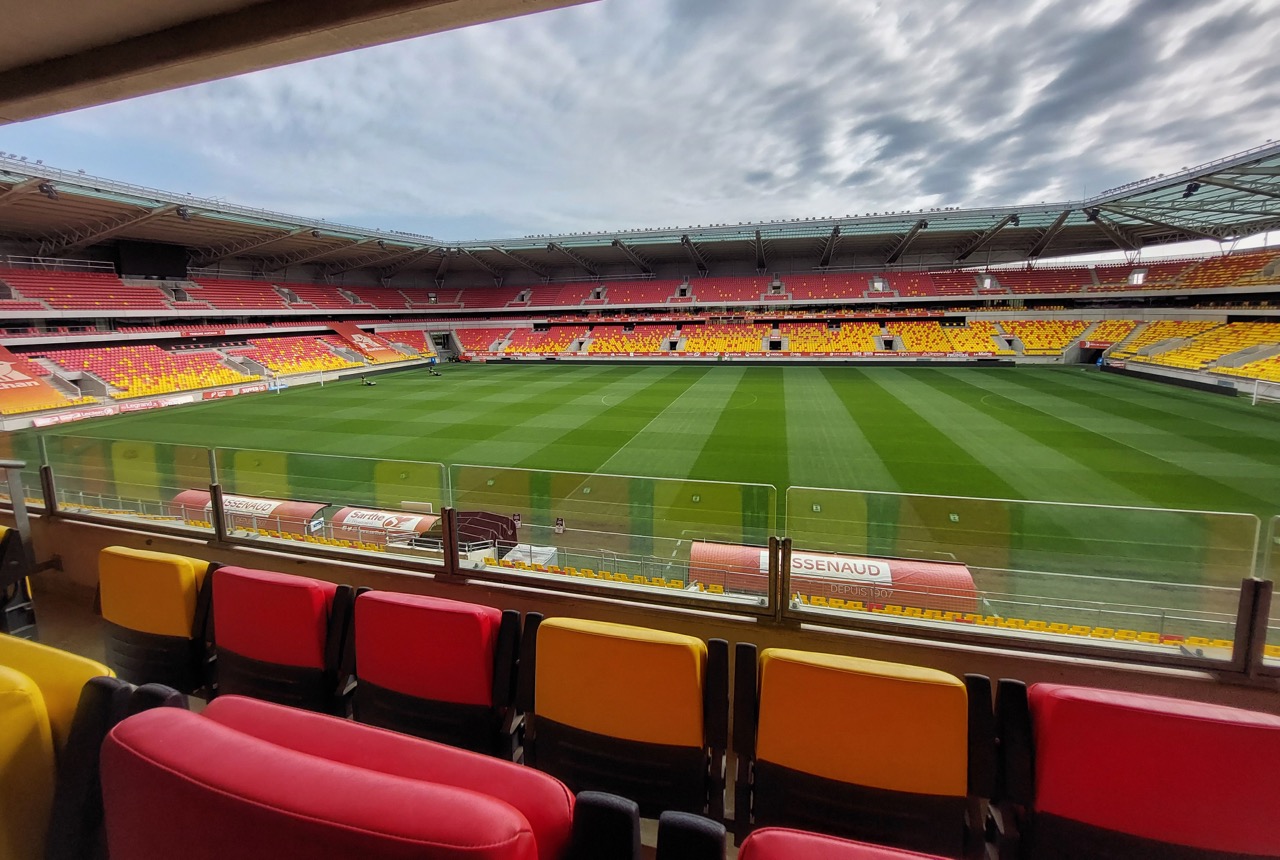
point(1055, 434)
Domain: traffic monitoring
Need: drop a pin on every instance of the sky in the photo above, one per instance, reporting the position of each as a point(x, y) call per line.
point(659, 113)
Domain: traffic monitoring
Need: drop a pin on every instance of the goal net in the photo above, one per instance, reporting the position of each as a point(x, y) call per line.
point(1266, 392)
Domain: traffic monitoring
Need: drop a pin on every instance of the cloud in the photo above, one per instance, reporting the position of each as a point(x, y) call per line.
point(655, 113)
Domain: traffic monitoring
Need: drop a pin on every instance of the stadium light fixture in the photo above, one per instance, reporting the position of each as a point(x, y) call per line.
point(48, 190)
point(1192, 188)
point(184, 213)
point(315, 234)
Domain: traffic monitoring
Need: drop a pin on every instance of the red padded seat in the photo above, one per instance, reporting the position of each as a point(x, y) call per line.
point(1159, 769)
point(427, 647)
point(175, 781)
point(280, 637)
point(778, 843)
point(439, 669)
point(272, 617)
point(543, 801)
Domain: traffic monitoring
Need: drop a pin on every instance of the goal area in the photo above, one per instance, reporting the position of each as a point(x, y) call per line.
point(1265, 392)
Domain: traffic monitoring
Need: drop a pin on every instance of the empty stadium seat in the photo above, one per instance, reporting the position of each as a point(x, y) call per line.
point(862, 749)
point(777, 843)
point(637, 712)
point(287, 783)
point(280, 637)
point(55, 709)
point(1108, 775)
point(439, 669)
point(155, 606)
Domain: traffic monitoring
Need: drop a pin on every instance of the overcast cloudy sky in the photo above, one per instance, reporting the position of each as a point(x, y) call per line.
point(653, 113)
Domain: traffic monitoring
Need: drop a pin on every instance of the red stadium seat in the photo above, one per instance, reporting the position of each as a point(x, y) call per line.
point(777, 843)
point(280, 637)
point(439, 669)
point(176, 782)
point(1105, 774)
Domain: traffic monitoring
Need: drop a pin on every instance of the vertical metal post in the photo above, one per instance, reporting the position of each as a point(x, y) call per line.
point(48, 489)
point(1252, 617)
point(216, 512)
point(449, 533)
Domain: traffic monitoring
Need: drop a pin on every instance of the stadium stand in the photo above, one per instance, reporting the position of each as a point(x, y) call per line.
point(978, 336)
point(716, 290)
point(921, 336)
point(487, 298)
point(82, 291)
point(379, 297)
point(144, 371)
point(934, 749)
point(643, 339)
point(912, 284)
point(1072, 758)
point(639, 292)
point(1218, 343)
point(819, 287)
point(290, 355)
point(1243, 269)
point(1111, 331)
point(958, 283)
point(480, 339)
point(1156, 333)
point(724, 337)
point(527, 341)
point(1044, 337)
point(819, 338)
point(1265, 369)
point(413, 338)
point(237, 295)
point(318, 296)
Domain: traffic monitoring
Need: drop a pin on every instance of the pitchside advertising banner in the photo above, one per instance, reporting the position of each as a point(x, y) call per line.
point(20, 388)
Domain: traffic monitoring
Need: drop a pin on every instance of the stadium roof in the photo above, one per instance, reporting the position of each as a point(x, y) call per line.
point(60, 213)
point(60, 55)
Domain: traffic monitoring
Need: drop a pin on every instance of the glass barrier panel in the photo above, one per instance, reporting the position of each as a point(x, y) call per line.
point(1271, 571)
point(23, 446)
point(128, 481)
point(1135, 578)
point(343, 503)
point(625, 531)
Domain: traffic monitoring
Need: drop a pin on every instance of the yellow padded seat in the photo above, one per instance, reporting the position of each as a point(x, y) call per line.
point(60, 675)
point(151, 592)
point(28, 768)
point(864, 722)
point(657, 699)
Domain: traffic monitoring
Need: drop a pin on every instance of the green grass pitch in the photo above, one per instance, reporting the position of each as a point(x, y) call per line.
point(1060, 434)
point(1068, 434)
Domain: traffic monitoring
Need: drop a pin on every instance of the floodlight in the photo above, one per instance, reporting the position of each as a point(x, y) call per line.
point(48, 190)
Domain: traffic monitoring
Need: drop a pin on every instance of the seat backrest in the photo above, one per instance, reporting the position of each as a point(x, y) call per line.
point(862, 749)
point(177, 782)
point(633, 683)
point(272, 617)
point(880, 725)
point(777, 843)
point(1131, 775)
point(150, 592)
point(427, 647)
point(626, 710)
point(545, 802)
point(60, 675)
point(28, 767)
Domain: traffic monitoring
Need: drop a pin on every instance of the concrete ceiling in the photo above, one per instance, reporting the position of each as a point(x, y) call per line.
point(61, 55)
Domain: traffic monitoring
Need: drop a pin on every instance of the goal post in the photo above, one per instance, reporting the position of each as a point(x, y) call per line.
point(1265, 392)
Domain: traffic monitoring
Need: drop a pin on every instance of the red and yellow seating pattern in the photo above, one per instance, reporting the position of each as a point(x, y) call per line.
point(1044, 337)
point(1112, 331)
point(527, 341)
point(145, 371)
point(1219, 342)
point(289, 355)
point(818, 338)
point(643, 339)
point(723, 337)
point(1163, 330)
